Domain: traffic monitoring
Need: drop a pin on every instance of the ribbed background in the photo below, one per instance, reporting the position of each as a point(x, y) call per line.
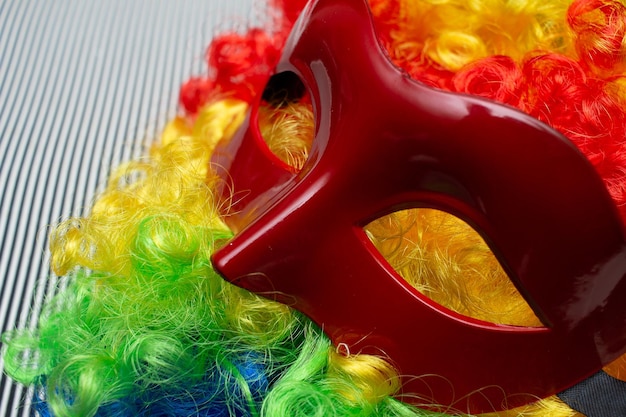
point(84, 85)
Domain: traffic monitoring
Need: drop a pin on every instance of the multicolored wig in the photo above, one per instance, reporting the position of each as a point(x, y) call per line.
point(146, 327)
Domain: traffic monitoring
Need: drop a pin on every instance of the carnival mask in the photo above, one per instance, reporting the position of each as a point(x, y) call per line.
point(383, 143)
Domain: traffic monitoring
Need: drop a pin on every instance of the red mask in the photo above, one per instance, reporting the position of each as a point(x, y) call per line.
point(383, 143)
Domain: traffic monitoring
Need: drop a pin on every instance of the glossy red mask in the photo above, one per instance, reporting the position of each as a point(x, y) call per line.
point(383, 143)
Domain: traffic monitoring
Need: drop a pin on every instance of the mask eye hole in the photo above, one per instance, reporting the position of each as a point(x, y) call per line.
point(283, 88)
point(448, 261)
point(285, 119)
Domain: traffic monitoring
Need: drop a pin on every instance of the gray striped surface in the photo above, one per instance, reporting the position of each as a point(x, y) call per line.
point(84, 85)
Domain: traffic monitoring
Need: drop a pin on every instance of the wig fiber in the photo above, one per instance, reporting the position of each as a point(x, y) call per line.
point(145, 327)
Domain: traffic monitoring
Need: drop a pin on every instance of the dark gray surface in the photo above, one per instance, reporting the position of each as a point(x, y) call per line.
point(84, 85)
point(600, 395)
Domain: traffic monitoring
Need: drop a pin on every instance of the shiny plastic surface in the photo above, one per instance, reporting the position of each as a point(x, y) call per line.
point(385, 142)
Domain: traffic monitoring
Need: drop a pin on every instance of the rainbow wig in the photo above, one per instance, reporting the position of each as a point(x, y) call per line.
point(146, 327)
